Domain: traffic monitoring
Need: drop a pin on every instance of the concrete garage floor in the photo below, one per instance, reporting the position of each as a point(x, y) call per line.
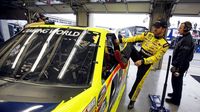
point(154, 85)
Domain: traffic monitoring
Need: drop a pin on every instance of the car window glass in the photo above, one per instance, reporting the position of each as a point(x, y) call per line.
point(8, 59)
point(124, 33)
point(139, 30)
point(42, 52)
point(82, 64)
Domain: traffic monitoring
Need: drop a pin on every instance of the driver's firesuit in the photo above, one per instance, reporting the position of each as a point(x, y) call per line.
point(152, 50)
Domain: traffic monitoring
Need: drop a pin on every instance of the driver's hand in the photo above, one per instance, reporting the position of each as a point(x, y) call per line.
point(138, 63)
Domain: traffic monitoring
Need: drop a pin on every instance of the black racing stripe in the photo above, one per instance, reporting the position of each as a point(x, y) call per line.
point(145, 52)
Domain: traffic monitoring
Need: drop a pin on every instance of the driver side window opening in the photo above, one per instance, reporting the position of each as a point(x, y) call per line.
point(109, 61)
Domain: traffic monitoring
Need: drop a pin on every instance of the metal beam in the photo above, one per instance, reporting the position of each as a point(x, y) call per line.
point(14, 14)
point(55, 8)
point(126, 6)
point(88, 6)
point(106, 9)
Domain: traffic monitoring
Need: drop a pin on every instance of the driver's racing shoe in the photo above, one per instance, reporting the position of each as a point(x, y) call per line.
point(131, 105)
point(121, 60)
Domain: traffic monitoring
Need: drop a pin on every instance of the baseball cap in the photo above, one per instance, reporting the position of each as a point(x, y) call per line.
point(160, 23)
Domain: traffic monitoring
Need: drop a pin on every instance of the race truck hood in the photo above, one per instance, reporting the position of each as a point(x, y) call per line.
point(18, 95)
point(26, 107)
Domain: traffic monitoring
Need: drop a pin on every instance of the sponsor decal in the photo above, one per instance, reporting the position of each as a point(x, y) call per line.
point(103, 106)
point(101, 102)
point(165, 45)
point(66, 32)
point(102, 94)
point(150, 36)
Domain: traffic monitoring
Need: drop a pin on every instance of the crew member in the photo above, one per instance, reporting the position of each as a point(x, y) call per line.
point(153, 48)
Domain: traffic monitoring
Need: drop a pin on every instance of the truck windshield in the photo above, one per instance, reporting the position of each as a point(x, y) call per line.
point(50, 56)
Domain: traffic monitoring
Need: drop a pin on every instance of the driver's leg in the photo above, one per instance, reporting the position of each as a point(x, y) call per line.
point(123, 56)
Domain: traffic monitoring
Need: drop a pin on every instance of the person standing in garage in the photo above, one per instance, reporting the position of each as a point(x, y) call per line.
point(182, 55)
point(153, 48)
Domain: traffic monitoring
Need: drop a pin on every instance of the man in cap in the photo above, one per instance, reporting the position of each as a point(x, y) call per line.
point(152, 49)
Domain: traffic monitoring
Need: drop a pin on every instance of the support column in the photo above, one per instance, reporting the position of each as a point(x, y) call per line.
point(161, 9)
point(28, 15)
point(82, 17)
point(4, 29)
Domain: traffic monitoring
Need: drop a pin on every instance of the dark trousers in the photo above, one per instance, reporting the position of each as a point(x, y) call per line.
point(177, 85)
point(142, 72)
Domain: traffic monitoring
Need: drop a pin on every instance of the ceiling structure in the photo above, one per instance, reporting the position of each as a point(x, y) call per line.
point(178, 7)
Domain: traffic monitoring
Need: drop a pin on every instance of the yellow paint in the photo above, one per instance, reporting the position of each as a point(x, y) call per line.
point(81, 101)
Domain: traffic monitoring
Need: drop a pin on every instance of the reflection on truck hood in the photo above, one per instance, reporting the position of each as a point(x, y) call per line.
point(24, 92)
point(26, 107)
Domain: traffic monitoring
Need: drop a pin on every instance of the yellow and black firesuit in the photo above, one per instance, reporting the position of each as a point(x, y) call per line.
point(152, 49)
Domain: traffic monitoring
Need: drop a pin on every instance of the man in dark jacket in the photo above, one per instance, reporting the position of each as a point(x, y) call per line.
point(182, 55)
